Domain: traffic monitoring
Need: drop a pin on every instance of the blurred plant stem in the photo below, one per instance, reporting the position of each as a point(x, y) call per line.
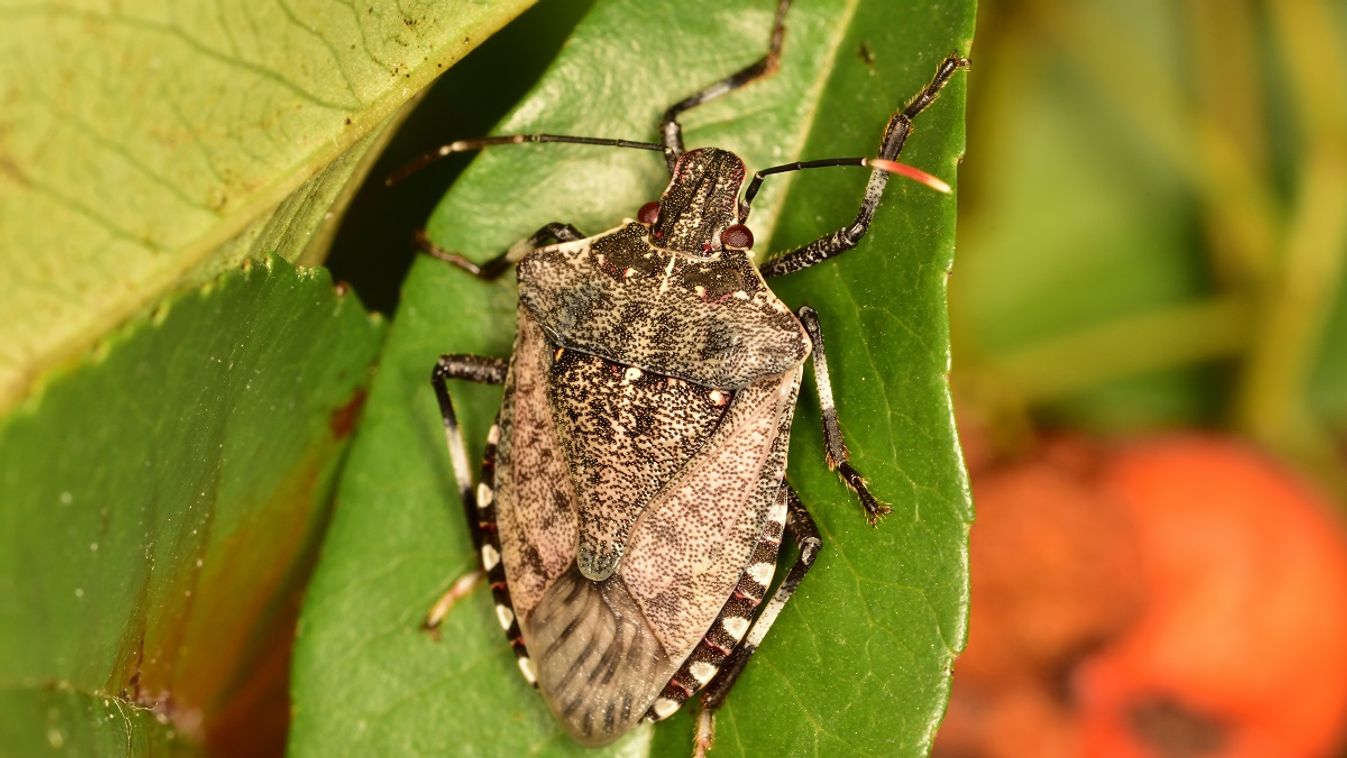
point(1204, 138)
point(1297, 296)
point(1158, 339)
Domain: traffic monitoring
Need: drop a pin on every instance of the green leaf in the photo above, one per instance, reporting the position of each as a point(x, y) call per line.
point(163, 503)
point(145, 146)
point(859, 661)
point(42, 720)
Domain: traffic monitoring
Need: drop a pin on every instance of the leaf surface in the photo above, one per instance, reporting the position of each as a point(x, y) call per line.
point(163, 504)
point(858, 662)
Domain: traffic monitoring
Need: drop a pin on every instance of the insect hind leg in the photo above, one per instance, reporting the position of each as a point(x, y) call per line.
point(802, 529)
point(895, 134)
point(495, 266)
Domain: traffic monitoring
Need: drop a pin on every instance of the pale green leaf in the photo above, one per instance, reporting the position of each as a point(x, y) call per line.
point(147, 145)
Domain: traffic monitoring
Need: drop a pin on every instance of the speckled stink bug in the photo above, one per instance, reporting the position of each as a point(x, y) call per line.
point(633, 495)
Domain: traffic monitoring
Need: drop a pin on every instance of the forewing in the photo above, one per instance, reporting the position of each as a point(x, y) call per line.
point(535, 501)
point(693, 542)
point(605, 650)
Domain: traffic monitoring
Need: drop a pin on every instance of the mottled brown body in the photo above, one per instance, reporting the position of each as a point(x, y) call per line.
point(640, 458)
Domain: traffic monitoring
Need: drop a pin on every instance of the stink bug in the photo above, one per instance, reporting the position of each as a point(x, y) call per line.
point(633, 495)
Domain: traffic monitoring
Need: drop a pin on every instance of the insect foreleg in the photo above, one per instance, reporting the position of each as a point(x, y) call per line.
point(800, 525)
point(900, 125)
point(839, 458)
point(671, 132)
point(494, 267)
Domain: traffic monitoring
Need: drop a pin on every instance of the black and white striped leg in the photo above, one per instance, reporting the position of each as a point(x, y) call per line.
point(802, 529)
point(895, 134)
point(671, 132)
point(839, 458)
point(494, 267)
point(475, 369)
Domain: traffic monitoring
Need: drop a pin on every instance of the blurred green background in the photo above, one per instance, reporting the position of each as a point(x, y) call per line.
point(1149, 325)
point(1153, 219)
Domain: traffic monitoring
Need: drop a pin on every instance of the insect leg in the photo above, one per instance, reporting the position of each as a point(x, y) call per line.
point(671, 132)
point(473, 368)
point(900, 125)
point(494, 267)
point(479, 505)
point(800, 525)
point(839, 459)
point(476, 369)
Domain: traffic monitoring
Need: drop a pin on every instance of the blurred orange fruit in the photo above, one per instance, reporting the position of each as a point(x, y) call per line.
point(1241, 649)
point(1171, 598)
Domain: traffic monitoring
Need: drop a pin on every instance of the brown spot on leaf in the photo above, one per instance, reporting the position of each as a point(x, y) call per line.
point(342, 420)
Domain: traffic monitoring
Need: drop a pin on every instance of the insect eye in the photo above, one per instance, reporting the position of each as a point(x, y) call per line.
point(648, 214)
point(736, 237)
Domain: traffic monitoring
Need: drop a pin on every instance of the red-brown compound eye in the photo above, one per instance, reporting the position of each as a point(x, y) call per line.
point(736, 237)
point(648, 214)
